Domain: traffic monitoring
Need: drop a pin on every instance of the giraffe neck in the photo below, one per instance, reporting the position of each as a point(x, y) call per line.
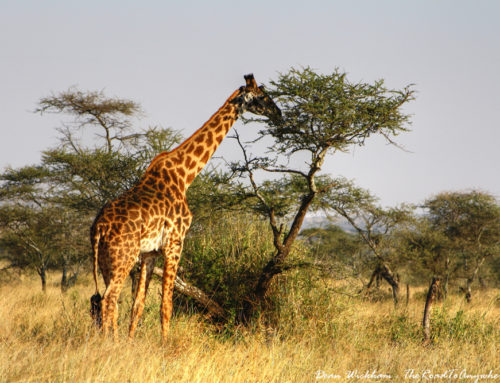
point(184, 163)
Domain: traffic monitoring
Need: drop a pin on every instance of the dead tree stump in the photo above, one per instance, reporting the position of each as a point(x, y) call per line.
point(407, 294)
point(431, 296)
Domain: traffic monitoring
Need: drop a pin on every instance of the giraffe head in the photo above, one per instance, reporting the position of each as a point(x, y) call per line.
point(254, 99)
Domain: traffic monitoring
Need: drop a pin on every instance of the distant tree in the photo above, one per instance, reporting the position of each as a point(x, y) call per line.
point(90, 110)
point(427, 251)
point(72, 245)
point(322, 114)
point(30, 238)
point(375, 226)
point(337, 250)
point(471, 223)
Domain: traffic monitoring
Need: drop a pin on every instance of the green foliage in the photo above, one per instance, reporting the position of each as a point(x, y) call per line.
point(213, 191)
point(41, 238)
point(321, 113)
point(224, 256)
point(425, 250)
point(86, 179)
point(92, 109)
point(471, 220)
point(463, 326)
point(403, 330)
point(376, 228)
point(463, 228)
point(328, 111)
point(338, 251)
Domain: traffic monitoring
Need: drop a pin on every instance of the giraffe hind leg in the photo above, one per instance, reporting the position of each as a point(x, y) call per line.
point(97, 306)
point(146, 272)
point(110, 304)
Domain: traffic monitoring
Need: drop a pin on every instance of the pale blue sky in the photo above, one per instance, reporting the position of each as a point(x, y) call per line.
point(182, 59)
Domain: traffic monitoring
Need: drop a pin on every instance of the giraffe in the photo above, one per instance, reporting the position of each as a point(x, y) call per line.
point(152, 218)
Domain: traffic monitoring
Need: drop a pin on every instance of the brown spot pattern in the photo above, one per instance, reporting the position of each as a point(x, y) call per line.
point(199, 149)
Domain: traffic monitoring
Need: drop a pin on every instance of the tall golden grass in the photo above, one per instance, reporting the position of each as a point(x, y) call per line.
point(48, 337)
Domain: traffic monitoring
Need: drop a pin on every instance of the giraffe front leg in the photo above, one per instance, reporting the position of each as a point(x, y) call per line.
point(172, 256)
point(147, 267)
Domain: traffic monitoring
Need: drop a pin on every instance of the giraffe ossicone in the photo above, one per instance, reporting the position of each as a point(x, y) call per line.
point(153, 217)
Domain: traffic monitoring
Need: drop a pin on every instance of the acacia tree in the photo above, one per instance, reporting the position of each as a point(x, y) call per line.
point(30, 238)
point(322, 114)
point(427, 251)
point(376, 227)
point(471, 223)
point(91, 109)
point(339, 251)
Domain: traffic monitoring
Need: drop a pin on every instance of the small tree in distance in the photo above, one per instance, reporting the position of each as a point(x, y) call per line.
point(92, 109)
point(30, 238)
point(375, 226)
point(470, 221)
point(322, 114)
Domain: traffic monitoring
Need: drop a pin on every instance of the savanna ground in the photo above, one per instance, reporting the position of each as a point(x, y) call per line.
point(48, 337)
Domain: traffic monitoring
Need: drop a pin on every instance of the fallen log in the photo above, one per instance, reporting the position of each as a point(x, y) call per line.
point(214, 310)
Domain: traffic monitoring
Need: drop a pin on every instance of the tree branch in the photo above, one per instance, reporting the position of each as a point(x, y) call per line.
point(292, 171)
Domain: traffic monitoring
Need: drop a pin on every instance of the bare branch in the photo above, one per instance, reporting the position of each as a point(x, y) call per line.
point(392, 142)
point(249, 171)
point(291, 171)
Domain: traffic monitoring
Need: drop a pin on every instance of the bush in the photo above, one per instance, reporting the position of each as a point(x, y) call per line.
point(224, 257)
point(470, 327)
point(404, 330)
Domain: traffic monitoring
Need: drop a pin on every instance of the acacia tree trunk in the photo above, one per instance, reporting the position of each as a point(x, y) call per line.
point(482, 282)
point(446, 277)
point(431, 296)
point(42, 272)
point(392, 279)
point(64, 278)
point(374, 276)
point(68, 281)
point(407, 294)
point(445, 285)
point(383, 271)
point(282, 242)
point(377, 281)
point(471, 278)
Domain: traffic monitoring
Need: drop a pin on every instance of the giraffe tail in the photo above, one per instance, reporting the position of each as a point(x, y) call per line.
point(96, 299)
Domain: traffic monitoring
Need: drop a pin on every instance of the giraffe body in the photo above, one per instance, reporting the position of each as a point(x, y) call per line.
point(153, 217)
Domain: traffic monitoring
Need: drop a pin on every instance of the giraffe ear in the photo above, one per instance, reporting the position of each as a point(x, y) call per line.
point(250, 81)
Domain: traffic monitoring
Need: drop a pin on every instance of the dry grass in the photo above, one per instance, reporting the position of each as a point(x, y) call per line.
point(49, 338)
